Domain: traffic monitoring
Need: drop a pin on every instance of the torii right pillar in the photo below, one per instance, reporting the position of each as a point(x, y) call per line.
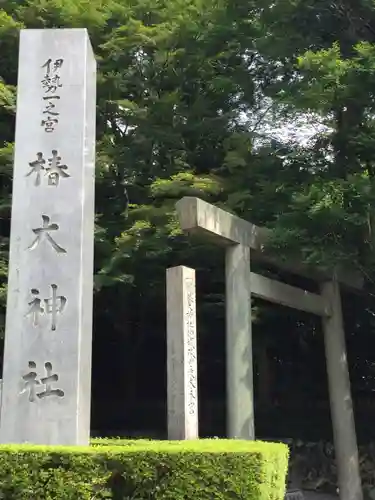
point(344, 433)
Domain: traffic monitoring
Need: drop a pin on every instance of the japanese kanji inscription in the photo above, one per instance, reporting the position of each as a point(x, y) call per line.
point(191, 347)
point(182, 354)
point(32, 382)
point(44, 233)
point(53, 305)
point(51, 84)
point(53, 171)
point(47, 354)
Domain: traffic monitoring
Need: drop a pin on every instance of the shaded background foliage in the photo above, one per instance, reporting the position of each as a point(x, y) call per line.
point(264, 108)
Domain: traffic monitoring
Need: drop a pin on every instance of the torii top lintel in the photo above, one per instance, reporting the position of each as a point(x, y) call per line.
point(199, 217)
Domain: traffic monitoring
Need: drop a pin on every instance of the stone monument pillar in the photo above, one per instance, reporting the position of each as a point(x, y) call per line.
point(47, 356)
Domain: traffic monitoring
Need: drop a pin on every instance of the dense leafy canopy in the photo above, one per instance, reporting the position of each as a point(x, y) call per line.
point(265, 108)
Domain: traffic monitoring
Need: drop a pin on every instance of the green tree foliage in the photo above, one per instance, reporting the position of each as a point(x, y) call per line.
point(326, 66)
point(191, 97)
point(174, 87)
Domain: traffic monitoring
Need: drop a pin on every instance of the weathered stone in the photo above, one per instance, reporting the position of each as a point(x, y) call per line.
point(47, 355)
point(199, 217)
point(238, 236)
point(344, 434)
point(182, 354)
point(239, 355)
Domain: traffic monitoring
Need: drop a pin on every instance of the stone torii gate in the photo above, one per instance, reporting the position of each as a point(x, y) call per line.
point(241, 238)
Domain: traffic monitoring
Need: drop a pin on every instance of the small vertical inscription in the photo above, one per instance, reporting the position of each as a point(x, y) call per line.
point(51, 84)
point(31, 382)
point(182, 354)
point(191, 346)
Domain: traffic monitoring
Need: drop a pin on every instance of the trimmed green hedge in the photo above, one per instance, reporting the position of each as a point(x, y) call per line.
point(145, 470)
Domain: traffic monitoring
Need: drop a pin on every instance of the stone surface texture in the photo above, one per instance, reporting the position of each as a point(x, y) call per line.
point(199, 217)
point(223, 228)
point(344, 434)
point(239, 358)
point(182, 354)
point(47, 357)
